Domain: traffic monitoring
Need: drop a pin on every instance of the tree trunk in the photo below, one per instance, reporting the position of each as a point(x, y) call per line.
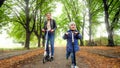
point(90, 31)
point(40, 37)
point(38, 41)
point(82, 43)
point(28, 33)
point(110, 38)
point(1, 2)
point(68, 14)
point(27, 41)
point(43, 40)
point(110, 32)
point(40, 27)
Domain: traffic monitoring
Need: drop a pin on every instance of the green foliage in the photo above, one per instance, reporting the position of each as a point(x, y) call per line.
point(4, 18)
point(17, 32)
point(101, 41)
point(72, 12)
point(62, 24)
point(14, 14)
point(117, 39)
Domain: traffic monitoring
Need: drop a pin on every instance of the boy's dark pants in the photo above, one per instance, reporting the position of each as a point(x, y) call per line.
point(72, 56)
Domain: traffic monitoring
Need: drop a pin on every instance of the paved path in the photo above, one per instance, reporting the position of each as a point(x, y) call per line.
point(59, 61)
point(14, 53)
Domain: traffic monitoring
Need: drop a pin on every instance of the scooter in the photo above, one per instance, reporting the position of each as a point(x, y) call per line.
point(46, 57)
point(73, 49)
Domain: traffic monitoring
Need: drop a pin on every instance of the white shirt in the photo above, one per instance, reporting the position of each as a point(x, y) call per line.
point(48, 25)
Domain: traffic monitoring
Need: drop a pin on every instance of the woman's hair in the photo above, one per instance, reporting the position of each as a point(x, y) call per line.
point(71, 23)
point(48, 13)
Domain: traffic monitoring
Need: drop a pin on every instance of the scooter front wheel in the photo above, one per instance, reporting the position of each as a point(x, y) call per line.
point(44, 60)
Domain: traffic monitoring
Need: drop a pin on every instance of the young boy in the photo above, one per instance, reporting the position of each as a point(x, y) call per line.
point(69, 47)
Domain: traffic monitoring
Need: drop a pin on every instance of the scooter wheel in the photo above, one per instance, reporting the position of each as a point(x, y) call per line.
point(44, 60)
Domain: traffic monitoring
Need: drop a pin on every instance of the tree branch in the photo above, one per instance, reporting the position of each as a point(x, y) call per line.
point(110, 4)
point(16, 13)
point(113, 6)
point(115, 19)
point(1, 2)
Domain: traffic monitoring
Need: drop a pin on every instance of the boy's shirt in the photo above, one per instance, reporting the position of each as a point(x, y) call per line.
point(69, 40)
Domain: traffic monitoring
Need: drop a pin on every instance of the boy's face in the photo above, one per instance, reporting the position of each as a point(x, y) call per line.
point(73, 27)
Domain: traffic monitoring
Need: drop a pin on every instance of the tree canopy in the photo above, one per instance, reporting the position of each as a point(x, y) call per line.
point(26, 18)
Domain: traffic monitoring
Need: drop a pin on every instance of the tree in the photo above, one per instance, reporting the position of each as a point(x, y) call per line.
point(84, 21)
point(17, 32)
point(110, 7)
point(29, 14)
point(42, 7)
point(24, 17)
point(4, 16)
point(72, 10)
point(93, 8)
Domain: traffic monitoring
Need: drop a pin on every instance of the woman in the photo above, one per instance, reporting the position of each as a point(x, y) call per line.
point(50, 26)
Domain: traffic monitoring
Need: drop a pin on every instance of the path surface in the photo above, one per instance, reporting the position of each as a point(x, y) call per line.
point(5, 55)
point(59, 61)
point(87, 57)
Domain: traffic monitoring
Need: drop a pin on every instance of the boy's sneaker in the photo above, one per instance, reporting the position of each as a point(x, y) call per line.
point(72, 66)
point(76, 67)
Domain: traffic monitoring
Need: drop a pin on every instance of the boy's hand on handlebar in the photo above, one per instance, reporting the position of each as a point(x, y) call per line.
point(66, 33)
point(76, 32)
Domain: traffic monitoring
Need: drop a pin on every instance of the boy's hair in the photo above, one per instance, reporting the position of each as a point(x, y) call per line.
point(71, 23)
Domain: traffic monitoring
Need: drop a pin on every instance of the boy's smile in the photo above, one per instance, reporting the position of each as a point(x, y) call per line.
point(73, 27)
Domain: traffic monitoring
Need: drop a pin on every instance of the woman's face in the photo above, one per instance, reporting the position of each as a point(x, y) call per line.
point(48, 16)
point(73, 27)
